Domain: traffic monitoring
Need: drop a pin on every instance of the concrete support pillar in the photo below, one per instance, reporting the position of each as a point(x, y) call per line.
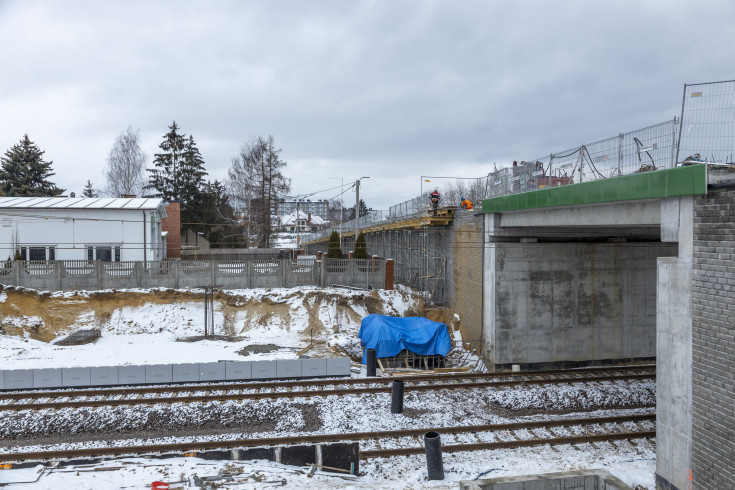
point(674, 347)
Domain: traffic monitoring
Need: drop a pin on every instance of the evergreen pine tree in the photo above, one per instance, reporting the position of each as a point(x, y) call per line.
point(89, 190)
point(214, 209)
point(164, 177)
point(179, 175)
point(334, 248)
point(360, 247)
point(25, 173)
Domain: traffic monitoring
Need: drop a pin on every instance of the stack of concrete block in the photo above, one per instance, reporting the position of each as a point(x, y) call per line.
point(23, 379)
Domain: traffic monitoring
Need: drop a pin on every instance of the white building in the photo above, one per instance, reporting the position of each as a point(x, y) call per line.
point(306, 222)
point(56, 228)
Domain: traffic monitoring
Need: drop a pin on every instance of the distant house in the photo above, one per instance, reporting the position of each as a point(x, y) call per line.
point(106, 229)
point(316, 208)
point(306, 222)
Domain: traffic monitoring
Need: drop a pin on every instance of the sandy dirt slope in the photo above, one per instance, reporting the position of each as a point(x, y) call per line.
point(292, 319)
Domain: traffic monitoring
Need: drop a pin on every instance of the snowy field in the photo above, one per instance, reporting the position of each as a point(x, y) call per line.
point(143, 328)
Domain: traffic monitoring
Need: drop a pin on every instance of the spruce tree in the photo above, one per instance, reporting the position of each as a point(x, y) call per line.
point(360, 247)
point(89, 190)
point(24, 172)
point(334, 247)
point(179, 175)
point(164, 178)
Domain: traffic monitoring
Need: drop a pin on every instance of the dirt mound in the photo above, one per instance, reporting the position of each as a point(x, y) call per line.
point(313, 312)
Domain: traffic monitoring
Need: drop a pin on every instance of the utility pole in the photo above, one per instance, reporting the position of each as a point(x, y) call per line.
point(357, 206)
point(341, 202)
point(298, 238)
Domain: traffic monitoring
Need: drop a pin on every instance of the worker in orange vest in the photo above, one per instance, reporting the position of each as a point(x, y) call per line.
point(465, 203)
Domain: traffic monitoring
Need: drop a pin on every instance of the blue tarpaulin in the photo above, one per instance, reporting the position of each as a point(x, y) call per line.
point(390, 335)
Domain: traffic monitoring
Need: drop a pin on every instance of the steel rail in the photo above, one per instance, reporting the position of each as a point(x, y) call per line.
point(308, 383)
point(361, 436)
point(308, 393)
point(55, 392)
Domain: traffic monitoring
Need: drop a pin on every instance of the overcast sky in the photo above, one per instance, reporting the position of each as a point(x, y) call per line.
point(392, 90)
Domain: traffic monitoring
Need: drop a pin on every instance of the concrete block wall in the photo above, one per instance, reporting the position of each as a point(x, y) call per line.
point(713, 340)
point(464, 274)
point(24, 379)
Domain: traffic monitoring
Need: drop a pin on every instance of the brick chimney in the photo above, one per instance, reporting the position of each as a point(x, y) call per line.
point(172, 224)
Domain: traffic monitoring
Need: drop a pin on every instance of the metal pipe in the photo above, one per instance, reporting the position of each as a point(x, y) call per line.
point(370, 361)
point(434, 463)
point(397, 397)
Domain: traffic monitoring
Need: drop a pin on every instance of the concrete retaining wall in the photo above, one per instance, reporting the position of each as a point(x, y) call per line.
point(233, 274)
point(572, 302)
point(24, 379)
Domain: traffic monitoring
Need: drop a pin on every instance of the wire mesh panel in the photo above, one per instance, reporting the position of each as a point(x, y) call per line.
point(407, 209)
point(708, 123)
point(643, 150)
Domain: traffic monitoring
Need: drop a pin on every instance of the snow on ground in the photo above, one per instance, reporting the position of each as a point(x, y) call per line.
point(634, 465)
point(146, 332)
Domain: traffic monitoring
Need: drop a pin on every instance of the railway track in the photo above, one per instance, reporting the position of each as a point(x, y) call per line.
point(404, 442)
point(149, 395)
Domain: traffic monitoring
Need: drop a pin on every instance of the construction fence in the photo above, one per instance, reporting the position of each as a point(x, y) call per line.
point(707, 130)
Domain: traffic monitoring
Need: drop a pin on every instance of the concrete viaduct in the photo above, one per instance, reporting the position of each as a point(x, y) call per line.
point(639, 267)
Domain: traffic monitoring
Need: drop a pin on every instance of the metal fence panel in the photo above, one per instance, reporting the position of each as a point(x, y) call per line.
point(707, 131)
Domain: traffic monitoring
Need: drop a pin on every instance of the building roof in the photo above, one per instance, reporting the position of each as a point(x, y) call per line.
point(79, 203)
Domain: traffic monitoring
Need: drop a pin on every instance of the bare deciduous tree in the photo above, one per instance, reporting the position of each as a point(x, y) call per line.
point(125, 165)
point(256, 182)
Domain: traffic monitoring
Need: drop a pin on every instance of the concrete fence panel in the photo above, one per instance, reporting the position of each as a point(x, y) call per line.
point(131, 375)
point(104, 376)
point(212, 371)
point(159, 373)
point(78, 376)
point(265, 369)
point(253, 273)
point(18, 379)
point(238, 370)
point(338, 366)
point(184, 373)
point(46, 378)
point(288, 368)
point(311, 368)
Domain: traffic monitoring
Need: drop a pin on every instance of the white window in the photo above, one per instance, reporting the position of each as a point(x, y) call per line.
point(105, 253)
point(38, 252)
